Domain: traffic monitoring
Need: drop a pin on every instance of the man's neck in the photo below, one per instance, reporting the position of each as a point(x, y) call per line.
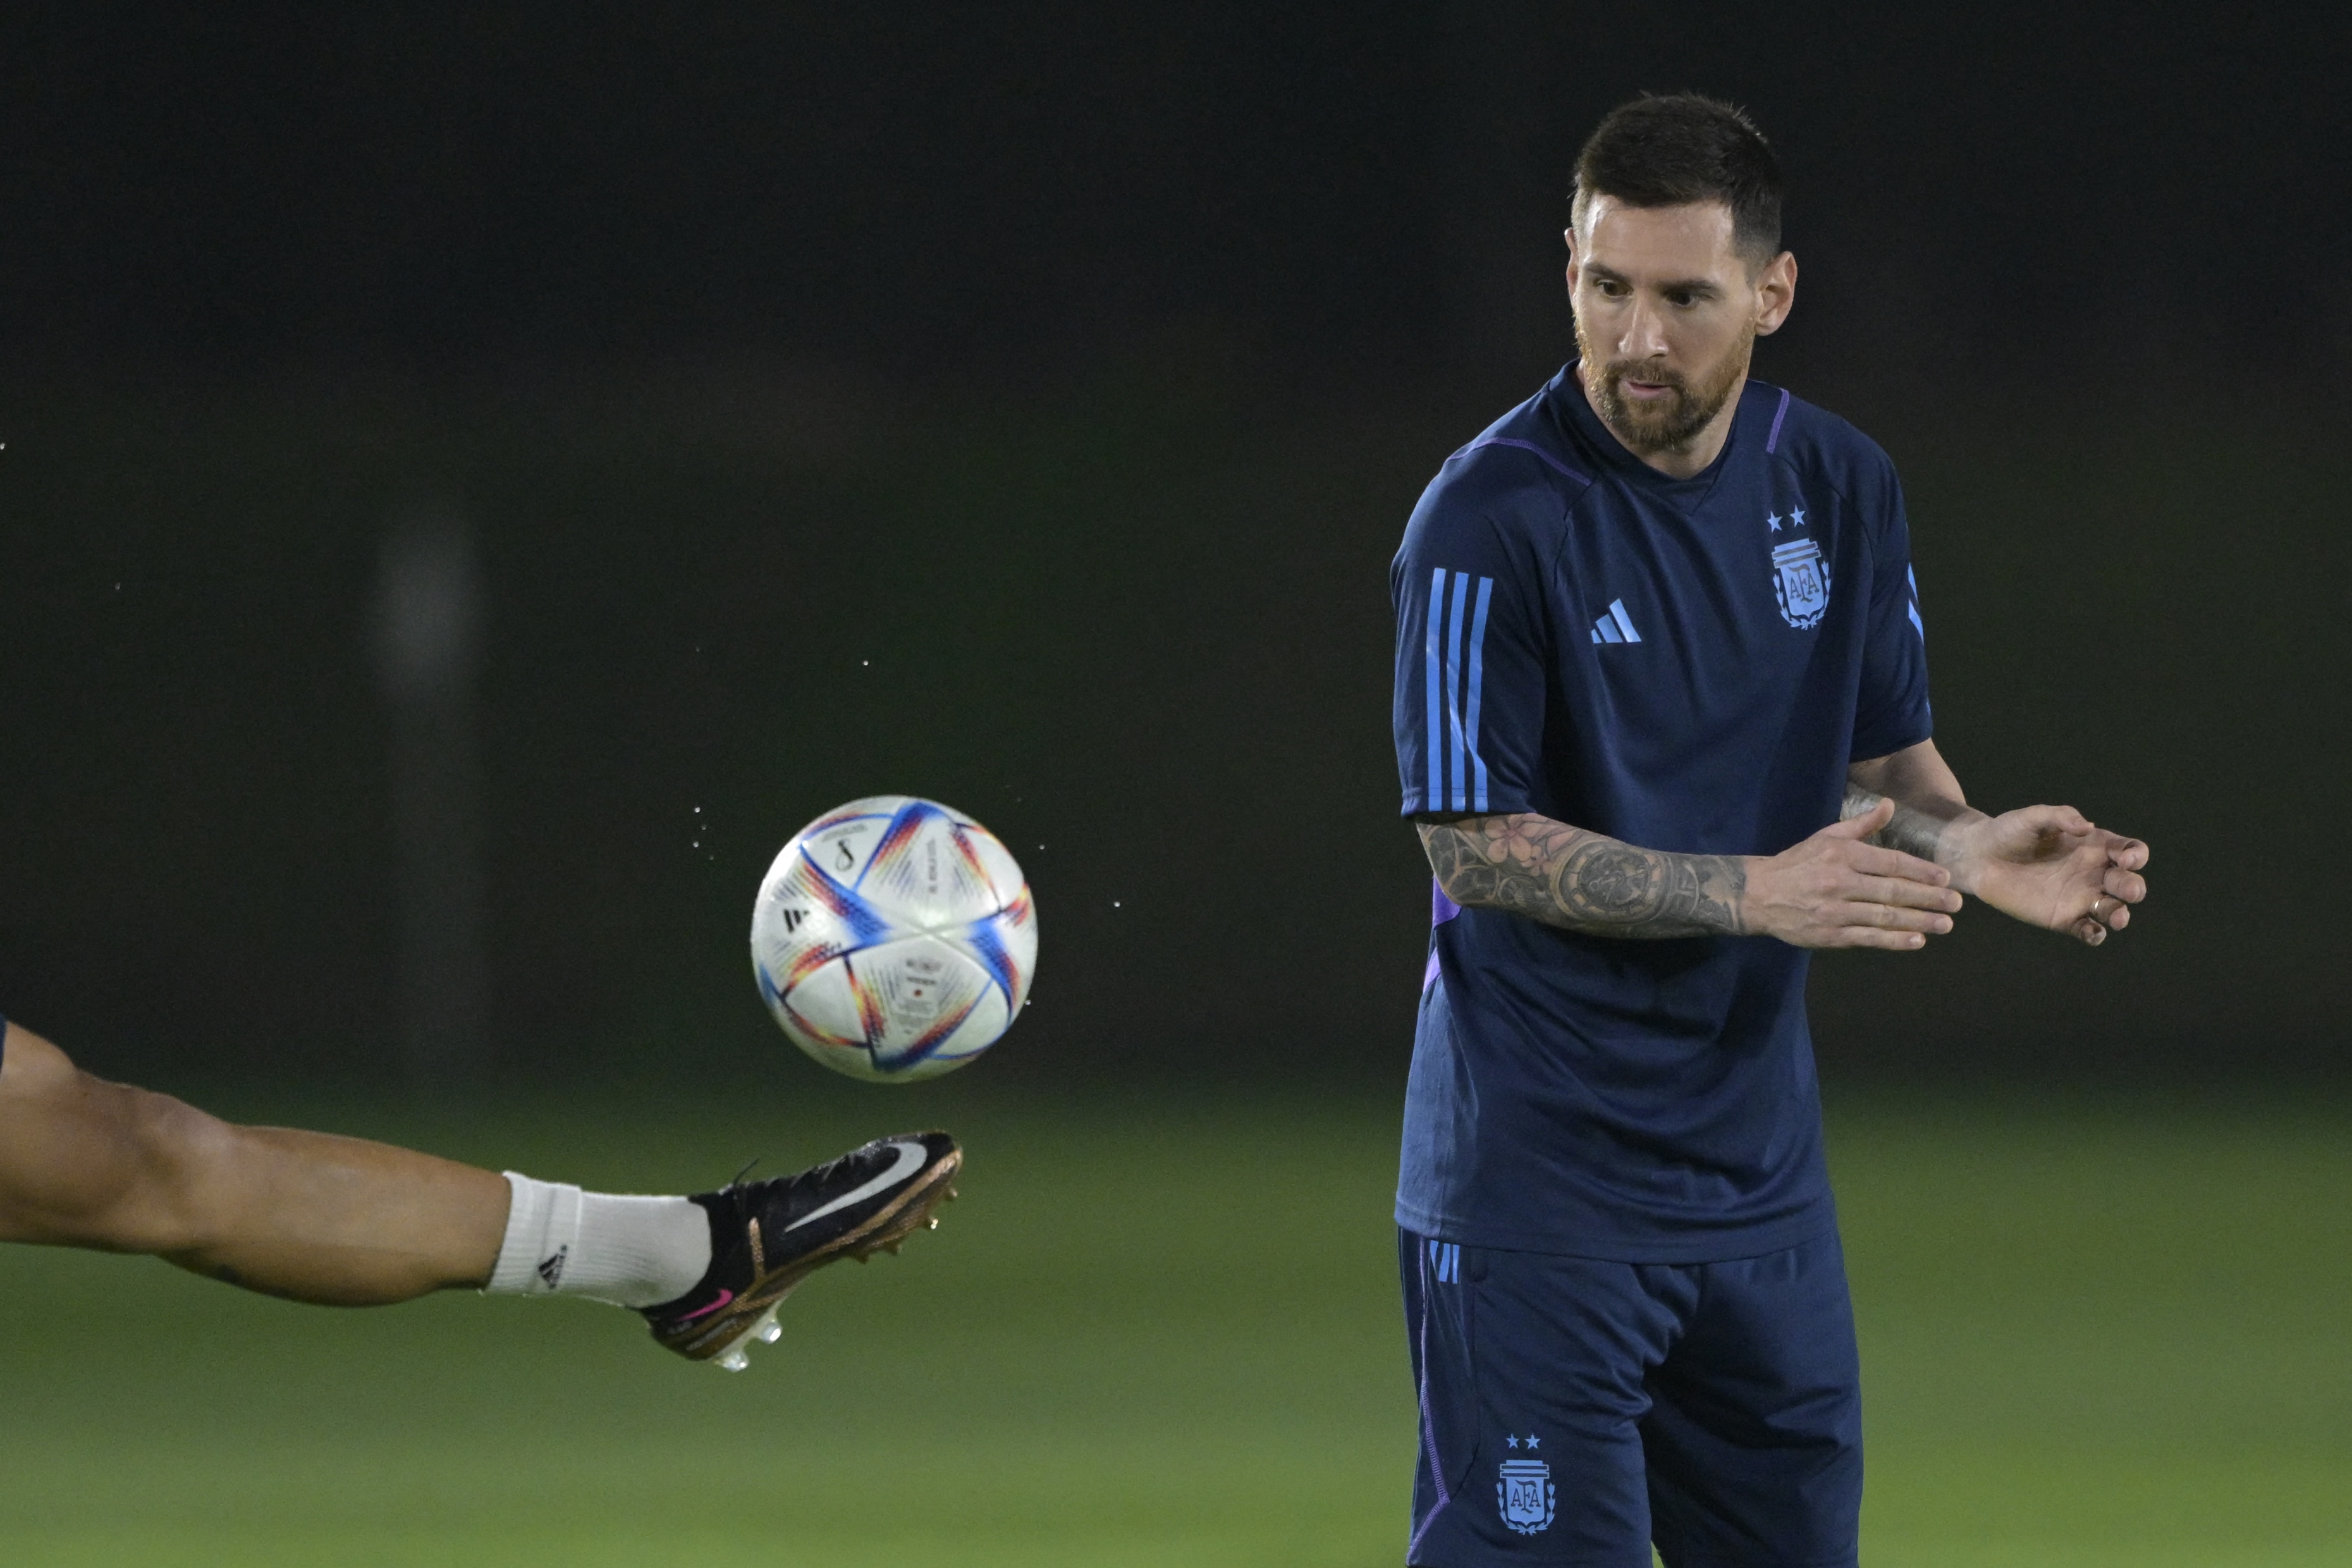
point(1691, 459)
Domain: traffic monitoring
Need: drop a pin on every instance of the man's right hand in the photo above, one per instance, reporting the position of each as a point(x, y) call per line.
point(1835, 890)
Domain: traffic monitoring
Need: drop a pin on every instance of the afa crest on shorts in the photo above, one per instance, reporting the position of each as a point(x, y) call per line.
point(1800, 574)
point(1525, 1493)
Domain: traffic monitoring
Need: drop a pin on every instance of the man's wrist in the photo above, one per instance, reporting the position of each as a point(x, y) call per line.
point(1937, 828)
point(1747, 909)
point(1960, 848)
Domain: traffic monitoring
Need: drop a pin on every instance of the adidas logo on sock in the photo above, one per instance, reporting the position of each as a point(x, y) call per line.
point(551, 1269)
point(1616, 625)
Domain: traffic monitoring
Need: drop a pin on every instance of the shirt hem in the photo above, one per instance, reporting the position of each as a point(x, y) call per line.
point(1858, 753)
point(1727, 1244)
point(1497, 804)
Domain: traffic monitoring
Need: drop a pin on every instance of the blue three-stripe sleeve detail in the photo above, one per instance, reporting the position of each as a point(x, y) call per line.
point(1458, 801)
point(1451, 696)
point(1477, 687)
point(1434, 690)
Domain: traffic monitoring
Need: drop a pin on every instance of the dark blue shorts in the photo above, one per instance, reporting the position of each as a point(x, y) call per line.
point(1575, 1411)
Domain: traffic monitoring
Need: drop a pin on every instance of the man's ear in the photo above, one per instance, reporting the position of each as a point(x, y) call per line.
point(1776, 293)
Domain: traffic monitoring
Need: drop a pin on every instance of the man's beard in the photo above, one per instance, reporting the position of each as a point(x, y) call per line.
point(1670, 425)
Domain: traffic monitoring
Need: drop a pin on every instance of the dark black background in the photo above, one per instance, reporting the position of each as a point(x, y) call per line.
point(1019, 407)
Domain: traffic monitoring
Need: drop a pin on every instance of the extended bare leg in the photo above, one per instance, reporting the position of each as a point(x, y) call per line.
point(344, 1222)
point(307, 1216)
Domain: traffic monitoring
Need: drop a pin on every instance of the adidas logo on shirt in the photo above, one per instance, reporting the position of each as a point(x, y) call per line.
point(1616, 625)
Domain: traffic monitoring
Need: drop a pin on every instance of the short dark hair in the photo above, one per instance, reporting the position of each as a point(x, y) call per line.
point(1668, 152)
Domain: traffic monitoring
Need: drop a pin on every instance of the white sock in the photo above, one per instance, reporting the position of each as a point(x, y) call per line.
point(630, 1251)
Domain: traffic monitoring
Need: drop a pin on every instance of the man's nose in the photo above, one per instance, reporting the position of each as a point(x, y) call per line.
point(1645, 332)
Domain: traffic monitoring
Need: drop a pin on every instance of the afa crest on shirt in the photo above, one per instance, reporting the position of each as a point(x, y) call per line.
point(1800, 574)
point(1525, 1493)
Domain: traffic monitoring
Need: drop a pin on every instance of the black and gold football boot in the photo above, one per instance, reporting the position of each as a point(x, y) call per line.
point(767, 1236)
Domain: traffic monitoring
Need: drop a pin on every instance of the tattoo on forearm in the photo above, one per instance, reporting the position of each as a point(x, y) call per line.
point(1563, 876)
point(1911, 830)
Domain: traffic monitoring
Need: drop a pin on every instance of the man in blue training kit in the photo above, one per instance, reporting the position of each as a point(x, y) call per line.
point(1661, 718)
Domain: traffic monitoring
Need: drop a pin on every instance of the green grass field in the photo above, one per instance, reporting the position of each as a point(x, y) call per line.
point(1162, 1337)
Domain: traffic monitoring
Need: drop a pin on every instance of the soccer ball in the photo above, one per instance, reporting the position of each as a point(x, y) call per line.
point(894, 939)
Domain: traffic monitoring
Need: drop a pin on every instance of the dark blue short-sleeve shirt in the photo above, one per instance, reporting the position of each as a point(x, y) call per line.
point(1685, 665)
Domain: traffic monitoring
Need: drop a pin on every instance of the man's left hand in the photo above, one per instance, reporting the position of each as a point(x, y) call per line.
point(2049, 865)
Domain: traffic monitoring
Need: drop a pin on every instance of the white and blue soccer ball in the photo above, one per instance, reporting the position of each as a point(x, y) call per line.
point(894, 939)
